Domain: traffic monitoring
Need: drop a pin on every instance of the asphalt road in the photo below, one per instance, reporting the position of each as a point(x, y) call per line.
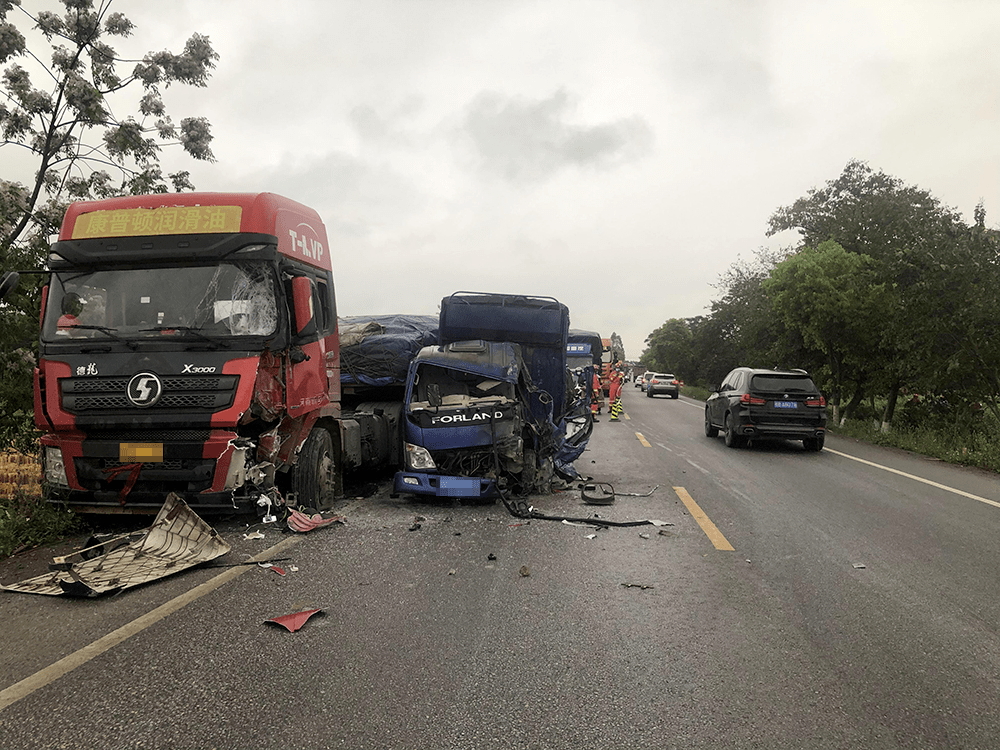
point(841, 599)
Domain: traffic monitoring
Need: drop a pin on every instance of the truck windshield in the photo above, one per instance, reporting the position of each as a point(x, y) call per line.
point(217, 301)
point(440, 386)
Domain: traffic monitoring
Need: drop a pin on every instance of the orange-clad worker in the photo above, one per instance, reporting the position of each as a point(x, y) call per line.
point(615, 395)
point(596, 398)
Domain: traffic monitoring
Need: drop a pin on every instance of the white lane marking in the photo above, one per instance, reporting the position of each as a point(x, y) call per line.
point(915, 478)
point(703, 471)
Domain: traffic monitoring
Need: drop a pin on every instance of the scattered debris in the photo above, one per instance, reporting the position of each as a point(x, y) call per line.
point(525, 571)
point(452, 572)
point(491, 556)
point(295, 620)
point(415, 527)
point(577, 523)
point(644, 536)
point(859, 566)
point(275, 568)
point(642, 586)
point(254, 535)
point(178, 539)
point(639, 494)
point(591, 536)
point(299, 521)
point(598, 493)
point(661, 523)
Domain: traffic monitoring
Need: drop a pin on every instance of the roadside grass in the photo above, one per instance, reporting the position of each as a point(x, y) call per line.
point(977, 449)
point(26, 520)
point(968, 443)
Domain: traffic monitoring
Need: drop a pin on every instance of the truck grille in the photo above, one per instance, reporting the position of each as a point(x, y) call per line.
point(105, 395)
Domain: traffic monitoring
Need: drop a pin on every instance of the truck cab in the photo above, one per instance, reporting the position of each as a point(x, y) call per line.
point(189, 344)
point(484, 412)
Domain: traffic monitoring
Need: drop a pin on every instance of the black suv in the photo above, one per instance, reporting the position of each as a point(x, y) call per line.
point(767, 404)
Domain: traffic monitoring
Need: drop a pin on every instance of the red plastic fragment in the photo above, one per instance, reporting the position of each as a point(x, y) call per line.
point(298, 521)
point(295, 620)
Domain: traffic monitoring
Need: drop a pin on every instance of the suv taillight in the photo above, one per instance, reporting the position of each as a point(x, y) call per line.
point(747, 400)
point(817, 402)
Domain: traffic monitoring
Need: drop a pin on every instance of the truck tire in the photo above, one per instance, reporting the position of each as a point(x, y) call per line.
point(529, 471)
point(314, 474)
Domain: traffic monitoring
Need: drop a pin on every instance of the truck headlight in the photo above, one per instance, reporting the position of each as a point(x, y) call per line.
point(418, 458)
point(55, 467)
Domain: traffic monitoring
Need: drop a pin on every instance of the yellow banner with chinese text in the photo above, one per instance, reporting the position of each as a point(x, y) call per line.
point(144, 222)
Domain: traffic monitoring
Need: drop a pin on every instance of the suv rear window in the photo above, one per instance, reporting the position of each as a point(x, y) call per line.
point(663, 376)
point(785, 383)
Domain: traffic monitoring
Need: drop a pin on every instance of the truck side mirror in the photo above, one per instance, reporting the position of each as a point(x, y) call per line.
point(302, 306)
point(9, 283)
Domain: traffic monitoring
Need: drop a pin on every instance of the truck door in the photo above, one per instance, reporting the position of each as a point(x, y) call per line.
point(308, 386)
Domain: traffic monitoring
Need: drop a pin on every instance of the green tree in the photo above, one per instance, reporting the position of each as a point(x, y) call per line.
point(832, 299)
point(78, 148)
point(913, 240)
point(668, 349)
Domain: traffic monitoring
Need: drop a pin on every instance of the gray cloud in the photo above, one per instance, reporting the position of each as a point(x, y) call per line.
point(528, 140)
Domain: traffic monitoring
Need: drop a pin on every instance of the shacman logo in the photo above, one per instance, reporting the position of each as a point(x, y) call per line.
point(144, 389)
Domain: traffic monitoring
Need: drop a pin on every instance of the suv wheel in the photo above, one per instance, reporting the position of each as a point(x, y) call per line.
point(733, 439)
point(710, 429)
point(814, 443)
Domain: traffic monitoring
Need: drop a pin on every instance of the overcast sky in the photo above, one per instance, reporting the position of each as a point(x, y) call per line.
point(618, 155)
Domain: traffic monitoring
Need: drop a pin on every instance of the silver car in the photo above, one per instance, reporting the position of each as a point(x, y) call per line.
point(663, 383)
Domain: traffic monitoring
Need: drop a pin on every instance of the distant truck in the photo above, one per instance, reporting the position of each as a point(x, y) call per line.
point(583, 357)
point(491, 410)
point(189, 344)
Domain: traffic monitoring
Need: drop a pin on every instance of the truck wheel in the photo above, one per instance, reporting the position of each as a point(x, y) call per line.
point(529, 471)
point(313, 475)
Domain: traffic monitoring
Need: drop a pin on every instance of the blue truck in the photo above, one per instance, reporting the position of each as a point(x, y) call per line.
point(491, 409)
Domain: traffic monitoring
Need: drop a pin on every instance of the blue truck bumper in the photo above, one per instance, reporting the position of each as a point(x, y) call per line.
point(438, 485)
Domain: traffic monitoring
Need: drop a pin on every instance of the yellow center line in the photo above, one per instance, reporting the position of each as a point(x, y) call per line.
point(643, 440)
point(710, 529)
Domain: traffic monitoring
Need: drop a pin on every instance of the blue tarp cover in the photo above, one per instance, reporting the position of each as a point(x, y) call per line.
point(376, 350)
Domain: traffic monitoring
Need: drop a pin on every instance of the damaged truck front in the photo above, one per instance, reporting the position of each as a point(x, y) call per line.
point(189, 344)
point(486, 409)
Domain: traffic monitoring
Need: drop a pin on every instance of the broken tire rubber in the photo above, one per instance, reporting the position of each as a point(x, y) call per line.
point(313, 475)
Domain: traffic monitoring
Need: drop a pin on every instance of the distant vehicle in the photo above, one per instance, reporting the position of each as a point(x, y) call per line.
point(663, 383)
point(644, 381)
point(754, 404)
point(638, 381)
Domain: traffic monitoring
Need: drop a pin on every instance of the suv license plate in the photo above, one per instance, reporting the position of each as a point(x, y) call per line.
point(786, 404)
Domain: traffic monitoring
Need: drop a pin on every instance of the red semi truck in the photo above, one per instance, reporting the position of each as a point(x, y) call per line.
point(189, 343)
